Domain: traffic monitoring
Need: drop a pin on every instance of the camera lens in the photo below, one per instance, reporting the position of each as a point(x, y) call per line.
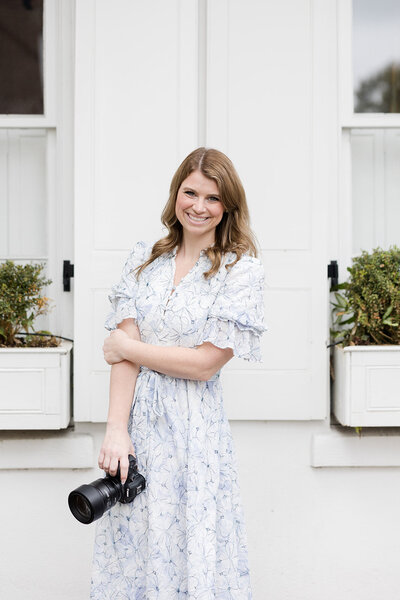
point(89, 502)
point(80, 507)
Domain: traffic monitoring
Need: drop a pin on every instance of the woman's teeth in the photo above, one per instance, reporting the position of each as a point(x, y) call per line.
point(197, 219)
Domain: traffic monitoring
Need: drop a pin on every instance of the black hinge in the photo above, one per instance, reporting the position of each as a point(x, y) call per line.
point(68, 272)
point(333, 272)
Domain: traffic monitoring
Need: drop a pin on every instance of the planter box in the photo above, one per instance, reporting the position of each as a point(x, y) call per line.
point(35, 387)
point(366, 389)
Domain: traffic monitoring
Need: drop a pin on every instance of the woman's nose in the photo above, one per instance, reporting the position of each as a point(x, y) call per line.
point(199, 205)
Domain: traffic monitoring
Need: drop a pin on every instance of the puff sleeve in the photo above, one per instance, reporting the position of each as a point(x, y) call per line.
point(123, 294)
point(236, 319)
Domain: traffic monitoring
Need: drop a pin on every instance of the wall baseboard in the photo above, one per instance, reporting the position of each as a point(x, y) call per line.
point(46, 451)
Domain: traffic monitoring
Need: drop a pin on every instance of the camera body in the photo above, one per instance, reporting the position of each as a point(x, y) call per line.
point(134, 484)
point(89, 502)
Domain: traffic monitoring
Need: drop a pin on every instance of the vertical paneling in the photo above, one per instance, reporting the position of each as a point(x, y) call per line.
point(392, 187)
point(375, 175)
point(270, 103)
point(23, 194)
point(363, 152)
point(136, 119)
point(259, 109)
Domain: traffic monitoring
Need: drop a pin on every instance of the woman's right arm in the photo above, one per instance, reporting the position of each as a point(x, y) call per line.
point(117, 444)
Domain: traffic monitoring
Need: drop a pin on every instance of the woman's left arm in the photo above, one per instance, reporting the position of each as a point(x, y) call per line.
point(199, 363)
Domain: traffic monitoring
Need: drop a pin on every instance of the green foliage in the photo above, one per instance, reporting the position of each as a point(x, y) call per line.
point(368, 311)
point(381, 92)
point(21, 302)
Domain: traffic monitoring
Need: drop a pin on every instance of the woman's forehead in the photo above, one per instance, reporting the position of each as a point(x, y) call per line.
point(199, 181)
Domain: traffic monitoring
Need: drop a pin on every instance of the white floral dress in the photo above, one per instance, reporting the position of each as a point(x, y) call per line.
point(184, 536)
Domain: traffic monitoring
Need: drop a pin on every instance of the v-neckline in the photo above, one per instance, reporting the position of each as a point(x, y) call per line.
point(173, 284)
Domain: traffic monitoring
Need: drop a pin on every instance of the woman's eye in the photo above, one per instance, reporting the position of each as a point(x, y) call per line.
point(189, 193)
point(214, 199)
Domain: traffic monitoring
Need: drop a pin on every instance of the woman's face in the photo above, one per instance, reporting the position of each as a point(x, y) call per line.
point(198, 206)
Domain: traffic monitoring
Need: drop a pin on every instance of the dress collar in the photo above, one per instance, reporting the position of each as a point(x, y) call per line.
point(202, 252)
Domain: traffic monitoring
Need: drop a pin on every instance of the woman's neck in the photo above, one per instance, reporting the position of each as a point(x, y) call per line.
point(190, 250)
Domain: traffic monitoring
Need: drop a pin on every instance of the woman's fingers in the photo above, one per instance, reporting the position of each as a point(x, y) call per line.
point(113, 466)
point(106, 463)
point(124, 466)
point(114, 451)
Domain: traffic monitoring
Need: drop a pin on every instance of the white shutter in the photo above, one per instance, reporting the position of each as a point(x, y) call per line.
point(136, 119)
point(271, 106)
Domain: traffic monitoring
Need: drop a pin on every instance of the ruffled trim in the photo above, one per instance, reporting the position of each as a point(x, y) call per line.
point(123, 295)
point(123, 308)
point(245, 343)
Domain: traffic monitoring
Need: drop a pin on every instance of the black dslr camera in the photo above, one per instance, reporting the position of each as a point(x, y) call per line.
point(89, 502)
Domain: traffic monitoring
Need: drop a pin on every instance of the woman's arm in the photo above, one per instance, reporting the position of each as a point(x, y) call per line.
point(199, 363)
point(117, 444)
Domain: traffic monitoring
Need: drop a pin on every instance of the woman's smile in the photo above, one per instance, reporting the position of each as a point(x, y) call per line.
point(196, 220)
point(198, 206)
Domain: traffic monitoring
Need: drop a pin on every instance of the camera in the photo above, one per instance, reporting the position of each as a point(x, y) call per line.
point(89, 502)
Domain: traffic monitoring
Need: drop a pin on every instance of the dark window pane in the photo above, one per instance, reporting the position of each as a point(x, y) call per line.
point(376, 56)
point(21, 60)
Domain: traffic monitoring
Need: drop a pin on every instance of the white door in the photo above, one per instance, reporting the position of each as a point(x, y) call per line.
point(136, 119)
point(271, 107)
point(154, 81)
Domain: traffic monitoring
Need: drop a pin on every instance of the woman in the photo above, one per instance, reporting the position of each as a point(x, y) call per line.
point(183, 308)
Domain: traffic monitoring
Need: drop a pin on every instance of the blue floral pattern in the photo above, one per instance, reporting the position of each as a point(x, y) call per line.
point(184, 536)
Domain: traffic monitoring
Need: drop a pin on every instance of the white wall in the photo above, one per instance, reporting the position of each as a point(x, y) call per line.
point(313, 533)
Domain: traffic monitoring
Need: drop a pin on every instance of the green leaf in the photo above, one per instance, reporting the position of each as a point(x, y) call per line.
point(387, 313)
point(341, 300)
point(342, 286)
point(350, 320)
point(389, 322)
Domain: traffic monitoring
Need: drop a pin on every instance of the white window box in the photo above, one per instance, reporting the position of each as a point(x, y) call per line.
point(366, 389)
point(35, 387)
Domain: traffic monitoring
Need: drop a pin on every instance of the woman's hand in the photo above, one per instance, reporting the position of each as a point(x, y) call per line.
point(114, 346)
point(116, 447)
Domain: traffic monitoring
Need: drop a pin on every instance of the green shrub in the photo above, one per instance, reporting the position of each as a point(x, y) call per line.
point(21, 302)
point(368, 311)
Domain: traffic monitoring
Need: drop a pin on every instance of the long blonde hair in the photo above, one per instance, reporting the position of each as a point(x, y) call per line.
point(233, 233)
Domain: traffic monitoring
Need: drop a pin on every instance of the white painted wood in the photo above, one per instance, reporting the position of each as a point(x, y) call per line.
point(26, 199)
point(123, 166)
point(366, 386)
point(288, 167)
point(64, 450)
point(51, 30)
point(345, 60)
point(375, 184)
point(391, 208)
point(35, 387)
point(364, 185)
point(26, 121)
point(344, 231)
point(348, 449)
point(372, 120)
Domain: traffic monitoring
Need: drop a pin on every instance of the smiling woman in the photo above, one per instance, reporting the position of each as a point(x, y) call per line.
point(198, 207)
point(182, 309)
